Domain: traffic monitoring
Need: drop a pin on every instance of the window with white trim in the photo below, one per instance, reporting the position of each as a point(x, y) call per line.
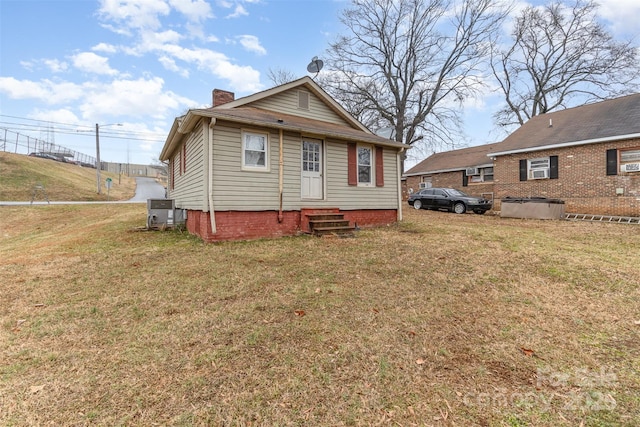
point(255, 151)
point(365, 165)
point(538, 168)
point(484, 175)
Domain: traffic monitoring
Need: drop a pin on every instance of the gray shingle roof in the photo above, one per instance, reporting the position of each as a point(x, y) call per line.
point(453, 160)
point(579, 125)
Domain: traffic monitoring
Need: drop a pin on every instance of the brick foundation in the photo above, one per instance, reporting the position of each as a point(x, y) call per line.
point(238, 225)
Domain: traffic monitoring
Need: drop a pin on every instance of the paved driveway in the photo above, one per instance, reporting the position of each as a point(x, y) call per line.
point(147, 188)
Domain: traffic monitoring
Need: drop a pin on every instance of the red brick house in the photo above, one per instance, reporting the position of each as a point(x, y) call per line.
point(587, 156)
point(467, 169)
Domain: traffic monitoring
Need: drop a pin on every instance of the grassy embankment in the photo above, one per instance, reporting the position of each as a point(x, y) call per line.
point(20, 174)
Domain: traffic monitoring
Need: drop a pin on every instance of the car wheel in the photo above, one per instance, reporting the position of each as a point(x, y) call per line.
point(417, 204)
point(459, 208)
point(479, 211)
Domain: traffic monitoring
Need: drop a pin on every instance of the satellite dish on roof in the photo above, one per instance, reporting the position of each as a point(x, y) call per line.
point(315, 65)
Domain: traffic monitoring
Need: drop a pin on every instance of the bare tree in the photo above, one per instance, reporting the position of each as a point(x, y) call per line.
point(279, 76)
point(561, 55)
point(410, 64)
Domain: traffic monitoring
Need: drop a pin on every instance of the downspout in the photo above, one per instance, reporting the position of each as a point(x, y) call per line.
point(398, 161)
point(212, 216)
point(281, 175)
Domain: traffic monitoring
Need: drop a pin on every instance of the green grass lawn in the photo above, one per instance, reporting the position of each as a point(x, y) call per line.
point(443, 320)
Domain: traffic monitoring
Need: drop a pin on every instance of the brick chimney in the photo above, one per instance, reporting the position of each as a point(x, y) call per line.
point(222, 97)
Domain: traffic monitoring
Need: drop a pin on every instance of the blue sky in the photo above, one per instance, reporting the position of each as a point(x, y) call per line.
point(75, 63)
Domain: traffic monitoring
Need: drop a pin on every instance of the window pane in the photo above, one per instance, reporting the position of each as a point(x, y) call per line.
point(254, 142)
point(630, 156)
point(539, 163)
point(254, 158)
point(364, 156)
point(364, 174)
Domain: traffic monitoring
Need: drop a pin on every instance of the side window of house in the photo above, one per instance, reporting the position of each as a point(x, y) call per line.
point(480, 174)
point(539, 168)
point(365, 171)
point(630, 161)
point(426, 182)
point(255, 151)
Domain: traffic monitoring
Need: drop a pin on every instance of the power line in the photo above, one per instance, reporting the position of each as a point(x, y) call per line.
point(74, 129)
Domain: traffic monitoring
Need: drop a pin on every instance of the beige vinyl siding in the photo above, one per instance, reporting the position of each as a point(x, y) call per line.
point(237, 189)
point(287, 102)
point(188, 190)
point(353, 197)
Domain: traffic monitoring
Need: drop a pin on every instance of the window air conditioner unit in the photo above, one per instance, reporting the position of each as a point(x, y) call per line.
point(473, 171)
point(630, 167)
point(423, 185)
point(540, 173)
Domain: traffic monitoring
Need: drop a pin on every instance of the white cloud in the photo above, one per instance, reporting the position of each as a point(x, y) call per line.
point(194, 10)
point(170, 64)
point(105, 48)
point(134, 14)
point(27, 65)
point(131, 98)
point(63, 115)
point(622, 14)
point(238, 12)
point(241, 78)
point(55, 65)
point(252, 44)
point(91, 63)
point(45, 91)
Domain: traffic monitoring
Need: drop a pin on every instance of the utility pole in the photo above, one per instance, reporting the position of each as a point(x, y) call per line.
point(98, 164)
point(98, 157)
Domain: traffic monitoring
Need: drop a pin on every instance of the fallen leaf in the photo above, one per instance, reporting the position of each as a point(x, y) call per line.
point(420, 362)
point(412, 333)
point(637, 322)
point(20, 322)
point(527, 352)
point(375, 310)
point(317, 290)
point(299, 313)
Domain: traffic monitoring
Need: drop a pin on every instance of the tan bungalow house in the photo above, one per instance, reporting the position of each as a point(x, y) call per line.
point(286, 160)
point(587, 156)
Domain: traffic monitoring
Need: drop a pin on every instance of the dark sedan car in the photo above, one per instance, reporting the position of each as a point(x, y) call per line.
point(450, 199)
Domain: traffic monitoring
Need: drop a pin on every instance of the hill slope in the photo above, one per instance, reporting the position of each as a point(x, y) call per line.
point(19, 174)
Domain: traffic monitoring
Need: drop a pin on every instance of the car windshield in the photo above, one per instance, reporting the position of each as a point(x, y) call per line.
point(457, 193)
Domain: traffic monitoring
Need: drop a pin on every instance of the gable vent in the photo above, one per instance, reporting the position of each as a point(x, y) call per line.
point(303, 100)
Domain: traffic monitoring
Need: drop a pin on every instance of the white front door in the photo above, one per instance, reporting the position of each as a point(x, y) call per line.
point(312, 182)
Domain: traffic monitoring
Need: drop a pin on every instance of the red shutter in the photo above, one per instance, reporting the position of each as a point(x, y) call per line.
point(352, 164)
point(172, 165)
point(379, 167)
point(184, 158)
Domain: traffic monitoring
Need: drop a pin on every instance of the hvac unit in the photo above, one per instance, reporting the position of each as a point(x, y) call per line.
point(162, 214)
point(630, 167)
point(473, 171)
point(540, 173)
point(423, 185)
